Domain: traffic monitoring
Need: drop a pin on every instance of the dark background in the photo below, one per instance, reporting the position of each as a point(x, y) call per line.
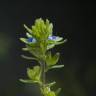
point(75, 21)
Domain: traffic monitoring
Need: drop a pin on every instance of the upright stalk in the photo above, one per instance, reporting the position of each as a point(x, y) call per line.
point(43, 77)
point(43, 67)
point(43, 73)
point(39, 41)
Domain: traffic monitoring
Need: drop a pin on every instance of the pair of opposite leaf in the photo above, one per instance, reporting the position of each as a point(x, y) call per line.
point(48, 92)
point(51, 61)
point(40, 37)
point(34, 75)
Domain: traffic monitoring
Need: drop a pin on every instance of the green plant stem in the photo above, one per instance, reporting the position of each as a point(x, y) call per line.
point(43, 75)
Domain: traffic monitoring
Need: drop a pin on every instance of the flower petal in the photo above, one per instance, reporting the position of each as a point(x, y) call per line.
point(31, 40)
point(55, 38)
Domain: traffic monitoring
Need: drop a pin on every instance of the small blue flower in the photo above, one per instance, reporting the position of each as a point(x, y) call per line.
point(55, 38)
point(31, 40)
point(52, 37)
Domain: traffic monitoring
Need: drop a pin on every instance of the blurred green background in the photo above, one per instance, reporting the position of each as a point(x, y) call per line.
point(75, 21)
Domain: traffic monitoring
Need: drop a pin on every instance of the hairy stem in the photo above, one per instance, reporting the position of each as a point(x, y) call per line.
point(43, 75)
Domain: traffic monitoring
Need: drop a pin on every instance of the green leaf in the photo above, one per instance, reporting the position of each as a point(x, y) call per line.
point(56, 66)
point(25, 49)
point(48, 58)
point(55, 58)
point(28, 29)
point(28, 35)
point(50, 84)
point(35, 50)
point(26, 81)
point(29, 81)
point(35, 32)
point(50, 42)
point(24, 40)
point(50, 61)
point(51, 93)
point(58, 43)
point(29, 58)
point(37, 71)
point(58, 38)
point(30, 73)
point(34, 74)
point(49, 28)
point(50, 46)
point(47, 92)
